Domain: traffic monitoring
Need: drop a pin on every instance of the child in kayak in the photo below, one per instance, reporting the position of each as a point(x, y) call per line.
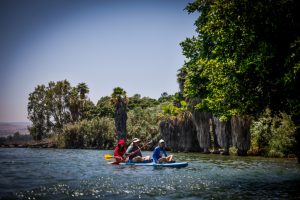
point(137, 156)
point(120, 151)
point(159, 151)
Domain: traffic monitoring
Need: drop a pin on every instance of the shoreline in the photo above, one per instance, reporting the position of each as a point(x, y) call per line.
point(45, 143)
point(51, 145)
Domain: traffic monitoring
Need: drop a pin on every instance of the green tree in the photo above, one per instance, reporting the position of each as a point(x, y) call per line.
point(88, 111)
point(83, 90)
point(165, 97)
point(136, 101)
point(38, 112)
point(49, 108)
point(57, 103)
point(245, 57)
point(144, 123)
point(104, 108)
point(74, 104)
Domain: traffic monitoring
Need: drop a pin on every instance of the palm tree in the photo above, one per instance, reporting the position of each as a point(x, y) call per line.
point(119, 100)
point(74, 104)
point(82, 89)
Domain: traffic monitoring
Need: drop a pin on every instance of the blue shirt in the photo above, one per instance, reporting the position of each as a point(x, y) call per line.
point(157, 153)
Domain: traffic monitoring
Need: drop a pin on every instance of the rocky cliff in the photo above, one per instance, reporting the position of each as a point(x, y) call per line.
point(201, 131)
point(180, 133)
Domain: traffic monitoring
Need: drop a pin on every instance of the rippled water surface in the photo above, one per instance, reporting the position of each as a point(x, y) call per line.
point(84, 174)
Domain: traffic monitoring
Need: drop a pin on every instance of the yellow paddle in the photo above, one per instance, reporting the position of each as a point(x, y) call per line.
point(108, 157)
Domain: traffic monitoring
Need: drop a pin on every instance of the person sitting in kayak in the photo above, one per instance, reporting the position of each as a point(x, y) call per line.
point(134, 152)
point(159, 151)
point(119, 152)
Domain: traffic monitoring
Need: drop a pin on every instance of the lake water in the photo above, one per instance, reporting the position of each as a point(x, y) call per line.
point(84, 174)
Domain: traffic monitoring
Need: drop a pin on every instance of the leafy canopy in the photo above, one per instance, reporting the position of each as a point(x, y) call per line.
point(244, 58)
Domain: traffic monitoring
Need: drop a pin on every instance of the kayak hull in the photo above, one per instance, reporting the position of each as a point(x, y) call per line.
point(173, 165)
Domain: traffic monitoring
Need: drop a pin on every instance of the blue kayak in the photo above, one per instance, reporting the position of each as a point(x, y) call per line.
point(153, 164)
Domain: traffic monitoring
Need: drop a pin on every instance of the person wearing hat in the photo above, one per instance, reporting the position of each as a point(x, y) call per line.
point(134, 152)
point(159, 151)
point(120, 151)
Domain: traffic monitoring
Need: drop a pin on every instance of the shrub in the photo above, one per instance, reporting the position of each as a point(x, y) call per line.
point(95, 133)
point(272, 135)
point(143, 123)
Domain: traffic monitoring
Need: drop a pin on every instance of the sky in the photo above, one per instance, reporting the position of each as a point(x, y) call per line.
point(133, 44)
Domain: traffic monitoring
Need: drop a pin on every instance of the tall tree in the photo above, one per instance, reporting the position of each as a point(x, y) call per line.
point(245, 57)
point(57, 101)
point(38, 113)
point(49, 108)
point(74, 104)
point(83, 89)
point(119, 100)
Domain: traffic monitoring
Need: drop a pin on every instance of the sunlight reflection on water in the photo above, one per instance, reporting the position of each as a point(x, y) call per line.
point(84, 174)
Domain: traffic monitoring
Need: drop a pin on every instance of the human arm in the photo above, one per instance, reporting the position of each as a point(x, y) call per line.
point(129, 150)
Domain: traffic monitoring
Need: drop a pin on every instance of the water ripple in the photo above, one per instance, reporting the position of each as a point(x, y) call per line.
point(84, 174)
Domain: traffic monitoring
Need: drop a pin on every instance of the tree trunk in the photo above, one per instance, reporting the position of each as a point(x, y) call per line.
point(121, 117)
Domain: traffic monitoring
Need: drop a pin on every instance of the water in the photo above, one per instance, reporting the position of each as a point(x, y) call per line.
point(84, 174)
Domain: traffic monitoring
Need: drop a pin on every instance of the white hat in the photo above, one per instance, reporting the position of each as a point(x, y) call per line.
point(136, 140)
point(161, 141)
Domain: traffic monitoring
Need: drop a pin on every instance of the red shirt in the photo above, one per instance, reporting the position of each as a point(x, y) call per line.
point(120, 152)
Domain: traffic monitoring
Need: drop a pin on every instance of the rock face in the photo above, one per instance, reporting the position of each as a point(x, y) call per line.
point(200, 131)
point(223, 134)
point(202, 122)
point(240, 130)
point(180, 134)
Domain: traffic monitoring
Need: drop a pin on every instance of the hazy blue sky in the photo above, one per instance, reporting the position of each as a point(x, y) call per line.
point(126, 43)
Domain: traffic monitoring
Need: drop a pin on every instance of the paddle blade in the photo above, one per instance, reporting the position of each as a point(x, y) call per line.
point(108, 157)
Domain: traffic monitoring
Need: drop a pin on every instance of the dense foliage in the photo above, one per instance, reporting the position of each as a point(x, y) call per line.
point(95, 133)
point(51, 107)
point(272, 135)
point(244, 58)
point(144, 123)
point(66, 115)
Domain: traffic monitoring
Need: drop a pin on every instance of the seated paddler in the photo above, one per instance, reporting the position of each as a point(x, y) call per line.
point(119, 153)
point(134, 152)
point(160, 154)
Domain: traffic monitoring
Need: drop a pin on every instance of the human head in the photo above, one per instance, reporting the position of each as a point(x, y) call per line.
point(121, 143)
point(136, 141)
point(161, 143)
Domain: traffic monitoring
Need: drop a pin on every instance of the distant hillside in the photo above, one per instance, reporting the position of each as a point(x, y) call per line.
point(9, 128)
